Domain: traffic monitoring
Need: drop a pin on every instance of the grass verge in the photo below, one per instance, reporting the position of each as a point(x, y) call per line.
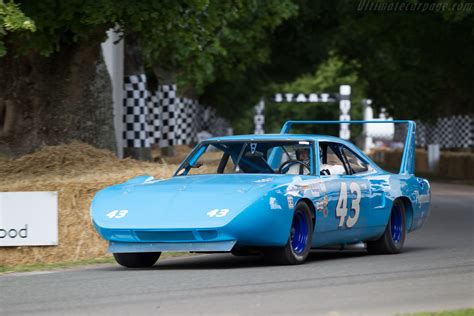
point(457, 312)
point(74, 264)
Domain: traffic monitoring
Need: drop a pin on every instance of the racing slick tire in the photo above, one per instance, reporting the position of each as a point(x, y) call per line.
point(299, 240)
point(391, 242)
point(137, 259)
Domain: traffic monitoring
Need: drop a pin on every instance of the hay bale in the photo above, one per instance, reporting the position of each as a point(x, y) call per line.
point(457, 165)
point(76, 171)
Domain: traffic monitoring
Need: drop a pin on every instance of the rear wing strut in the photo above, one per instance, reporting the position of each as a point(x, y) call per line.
point(407, 165)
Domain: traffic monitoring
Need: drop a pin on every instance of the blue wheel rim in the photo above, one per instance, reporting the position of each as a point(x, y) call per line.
point(299, 232)
point(396, 224)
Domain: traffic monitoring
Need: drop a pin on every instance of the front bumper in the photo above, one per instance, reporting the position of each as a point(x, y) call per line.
point(215, 246)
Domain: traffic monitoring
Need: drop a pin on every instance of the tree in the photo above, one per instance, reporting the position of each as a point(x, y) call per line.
point(333, 72)
point(12, 19)
point(295, 47)
point(61, 88)
point(416, 64)
point(55, 80)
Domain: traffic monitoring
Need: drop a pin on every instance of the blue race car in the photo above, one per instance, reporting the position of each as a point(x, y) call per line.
point(277, 194)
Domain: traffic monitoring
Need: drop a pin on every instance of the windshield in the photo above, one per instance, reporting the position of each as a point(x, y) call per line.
point(283, 157)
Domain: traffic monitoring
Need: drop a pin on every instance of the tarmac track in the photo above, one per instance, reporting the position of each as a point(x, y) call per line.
point(435, 272)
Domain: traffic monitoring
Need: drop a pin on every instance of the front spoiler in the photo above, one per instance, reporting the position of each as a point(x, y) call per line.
point(217, 246)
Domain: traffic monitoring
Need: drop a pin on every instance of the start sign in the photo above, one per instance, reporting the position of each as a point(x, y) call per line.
point(28, 218)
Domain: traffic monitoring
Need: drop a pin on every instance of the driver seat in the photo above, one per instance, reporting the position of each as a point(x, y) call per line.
point(332, 170)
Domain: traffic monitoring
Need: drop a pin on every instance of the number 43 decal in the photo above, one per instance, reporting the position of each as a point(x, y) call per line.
point(218, 212)
point(117, 214)
point(342, 208)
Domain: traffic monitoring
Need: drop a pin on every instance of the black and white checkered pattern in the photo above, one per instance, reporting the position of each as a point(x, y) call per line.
point(183, 121)
point(154, 117)
point(185, 127)
point(135, 133)
point(451, 132)
point(167, 99)
point(160, 117)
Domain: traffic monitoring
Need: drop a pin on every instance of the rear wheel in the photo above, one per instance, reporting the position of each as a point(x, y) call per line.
point(393, 239)
point(137, 259)
point(299, 240)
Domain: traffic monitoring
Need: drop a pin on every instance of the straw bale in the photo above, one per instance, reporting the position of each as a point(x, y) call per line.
point(76, 171)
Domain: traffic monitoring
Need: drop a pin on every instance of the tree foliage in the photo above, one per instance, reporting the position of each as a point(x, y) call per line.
point(417, 64)
point(333, 72)
point(12, 19)
point(215, 38)
point(196, 38)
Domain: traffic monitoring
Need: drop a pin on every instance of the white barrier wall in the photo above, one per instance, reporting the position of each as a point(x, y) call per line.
point(28, 218)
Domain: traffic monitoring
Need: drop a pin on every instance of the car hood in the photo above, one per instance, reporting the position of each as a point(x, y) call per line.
point(182, 202)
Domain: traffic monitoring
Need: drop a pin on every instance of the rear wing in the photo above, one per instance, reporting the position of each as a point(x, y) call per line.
point(407, 165)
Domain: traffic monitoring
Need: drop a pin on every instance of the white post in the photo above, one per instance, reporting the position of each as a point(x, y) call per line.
point(344, 107)
point(433, 157)
point(368, 116)
point(259, 118)
point(113, 57)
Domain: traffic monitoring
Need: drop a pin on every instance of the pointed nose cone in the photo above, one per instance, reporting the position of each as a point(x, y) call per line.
point(199, 201)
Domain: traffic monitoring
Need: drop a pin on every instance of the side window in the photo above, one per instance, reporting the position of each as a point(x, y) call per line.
point(331, 159)
point(229, 166)
point(357, 165)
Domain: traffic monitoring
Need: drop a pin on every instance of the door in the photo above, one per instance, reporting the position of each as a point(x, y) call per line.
point(348, 194)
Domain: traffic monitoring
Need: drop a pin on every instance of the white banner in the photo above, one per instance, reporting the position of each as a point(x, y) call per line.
point(28, 218)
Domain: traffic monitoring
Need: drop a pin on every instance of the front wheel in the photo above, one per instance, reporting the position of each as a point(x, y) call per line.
point(393, 238)
point(137, 259)
point(299, 240)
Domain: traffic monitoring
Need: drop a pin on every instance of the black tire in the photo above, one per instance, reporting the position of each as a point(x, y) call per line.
point(137, 259)
point(245, 251)
point(294, 252)
point(393, 239)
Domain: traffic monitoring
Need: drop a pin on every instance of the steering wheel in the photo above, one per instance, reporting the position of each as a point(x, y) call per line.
point(290, 163)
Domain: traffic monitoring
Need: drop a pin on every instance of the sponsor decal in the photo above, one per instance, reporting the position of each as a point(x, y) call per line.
point(264, 180)
point(322, 204)
point(292, 190)
point(274, 204)
point(315, 189)
point(302, 188)
point(290, 201)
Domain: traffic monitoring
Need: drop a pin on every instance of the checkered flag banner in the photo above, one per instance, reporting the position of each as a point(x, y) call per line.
point(186, 114)
point(135, 117)
point(451, 132)
point(160, 117)
point(154, 117)
point(168, 108)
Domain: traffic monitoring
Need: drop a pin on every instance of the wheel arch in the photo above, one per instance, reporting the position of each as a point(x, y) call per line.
point(408, 210)
point(311, 208)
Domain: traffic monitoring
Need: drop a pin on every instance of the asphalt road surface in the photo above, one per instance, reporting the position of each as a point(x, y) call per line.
point(435, 272)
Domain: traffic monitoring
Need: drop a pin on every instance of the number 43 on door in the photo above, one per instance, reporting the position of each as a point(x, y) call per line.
point(342, 207)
